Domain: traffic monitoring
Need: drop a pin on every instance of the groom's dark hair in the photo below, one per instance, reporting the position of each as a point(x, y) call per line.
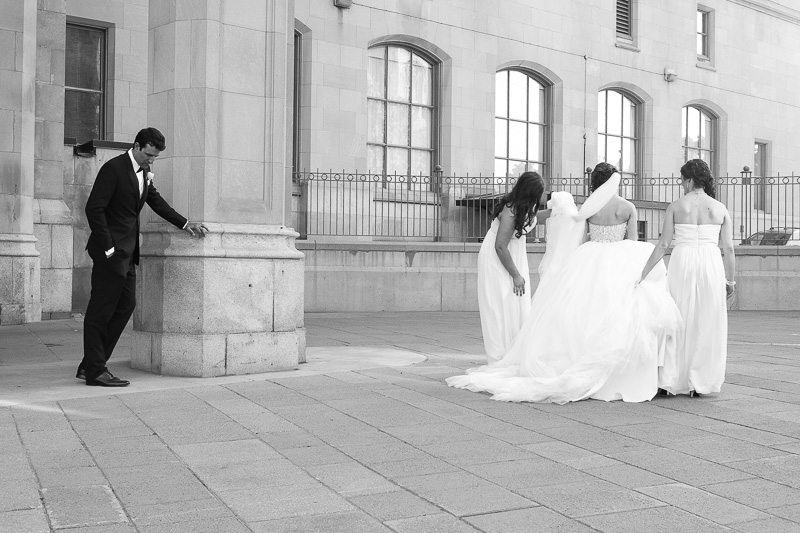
point(150, 136)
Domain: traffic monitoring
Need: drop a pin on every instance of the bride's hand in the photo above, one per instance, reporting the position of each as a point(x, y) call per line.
point(519, 285)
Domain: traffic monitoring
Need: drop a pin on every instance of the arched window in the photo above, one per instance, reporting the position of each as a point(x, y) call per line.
point(618, 131)
point(699, 135)
point(520, 124)
point(401, 112)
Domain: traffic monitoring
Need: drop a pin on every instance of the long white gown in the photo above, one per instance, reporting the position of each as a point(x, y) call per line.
point(502, 312)
point(697, 283)
point(591, 332)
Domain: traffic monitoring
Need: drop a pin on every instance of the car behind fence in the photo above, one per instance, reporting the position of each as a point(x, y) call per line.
point(352, 205)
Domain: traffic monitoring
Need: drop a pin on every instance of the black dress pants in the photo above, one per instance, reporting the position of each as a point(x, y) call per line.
point(111, 305)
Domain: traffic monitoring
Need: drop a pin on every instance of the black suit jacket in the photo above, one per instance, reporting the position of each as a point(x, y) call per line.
point(113, 212)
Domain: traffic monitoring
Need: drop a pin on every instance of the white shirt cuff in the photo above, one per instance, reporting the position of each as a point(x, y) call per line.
point(184, 226)
point(109, 252)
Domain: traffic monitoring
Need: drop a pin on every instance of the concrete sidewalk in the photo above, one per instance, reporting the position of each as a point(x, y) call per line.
point(366, 437)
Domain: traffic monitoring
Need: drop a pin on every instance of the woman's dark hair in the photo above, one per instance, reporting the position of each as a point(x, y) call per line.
point(600, 175)
point(150, 136)
point(524, 200)
point(697, 171)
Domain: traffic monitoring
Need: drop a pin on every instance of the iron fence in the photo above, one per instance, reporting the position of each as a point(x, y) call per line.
point(458, 208)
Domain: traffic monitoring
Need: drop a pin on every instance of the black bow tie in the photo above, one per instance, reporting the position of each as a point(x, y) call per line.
point(143, 170)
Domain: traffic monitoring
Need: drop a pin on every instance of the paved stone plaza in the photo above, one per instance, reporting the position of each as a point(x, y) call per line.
point(366, 437)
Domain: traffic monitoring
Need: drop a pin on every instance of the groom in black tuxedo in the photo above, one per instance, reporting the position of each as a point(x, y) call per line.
point(122, 187)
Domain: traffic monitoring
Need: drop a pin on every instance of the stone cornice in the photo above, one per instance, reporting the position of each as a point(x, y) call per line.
point(772, 9)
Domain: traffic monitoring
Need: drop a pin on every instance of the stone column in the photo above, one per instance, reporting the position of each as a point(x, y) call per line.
point(233, 302)
point(52, 219)
point(20, 300)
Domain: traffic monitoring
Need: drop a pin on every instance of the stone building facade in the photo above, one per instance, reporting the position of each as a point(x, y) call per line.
point(248, 91)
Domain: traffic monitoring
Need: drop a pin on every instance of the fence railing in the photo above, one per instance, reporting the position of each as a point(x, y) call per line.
point(458, 208)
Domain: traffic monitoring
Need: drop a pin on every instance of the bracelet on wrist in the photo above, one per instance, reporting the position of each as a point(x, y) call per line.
point(730, 283)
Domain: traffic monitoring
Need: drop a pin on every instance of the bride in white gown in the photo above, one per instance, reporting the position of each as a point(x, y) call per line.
point(592, 332)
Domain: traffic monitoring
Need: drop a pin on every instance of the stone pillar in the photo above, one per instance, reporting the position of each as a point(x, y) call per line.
point(20, 300)
point(52, 219)
point(233, 302)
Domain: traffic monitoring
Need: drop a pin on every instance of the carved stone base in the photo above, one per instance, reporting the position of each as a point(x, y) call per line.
point(231, 303)
point(20, 295)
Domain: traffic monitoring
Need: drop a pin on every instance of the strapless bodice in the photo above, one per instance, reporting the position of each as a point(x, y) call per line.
point(527, 229)
point(613, 233)
point(696, 234)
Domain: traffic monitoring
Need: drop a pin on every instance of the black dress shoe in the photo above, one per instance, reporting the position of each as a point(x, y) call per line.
point(115, 378)
point(107, 380)
point(81, 374)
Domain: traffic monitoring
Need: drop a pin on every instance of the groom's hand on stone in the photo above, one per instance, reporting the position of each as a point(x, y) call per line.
point(196, 230)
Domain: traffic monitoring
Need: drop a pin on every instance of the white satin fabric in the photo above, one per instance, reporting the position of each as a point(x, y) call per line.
point(502, 312)
point(697, 283)
point(591, 331)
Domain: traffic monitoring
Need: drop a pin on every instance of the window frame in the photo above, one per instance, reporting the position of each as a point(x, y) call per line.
point(104, 82)
point(638, 137)
point(545, 164)
point(705, 59)
point(434, 106)
point(714, 120)
point(296, 103)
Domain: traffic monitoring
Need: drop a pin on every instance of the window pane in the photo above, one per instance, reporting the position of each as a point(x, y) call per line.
point(701, 45)
point(399, 82)
point(376, 81)
point(517, 140)
point(683, 126)
point(83, 60)
point(701, 26)
point(535, 101)
point(706, 156)
point(628, 156)
point(397, 124)
point(535, 143)
point(536, 167)
point(692, 153)
point(377, 121)
point(518, 97)
point(420, 127)
point(693, 127)
point(706, 132)
point(82, 115)
point(614, 114)
point(628, 118)
point(500, 138)
point(421, 80)
point(501, 94)
point(375, 159)
point(516, 167)
point(500, 166)
point(601, 111)
point(614, 151)
point(397, 161)
point(420, 163)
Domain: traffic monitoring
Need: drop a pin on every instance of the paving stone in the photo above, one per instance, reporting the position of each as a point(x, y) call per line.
point(679, 466)
point(593, 439)
point(412, 467)
point(627, 476)
point(350, 479)
point(654, 519)
point(105, 528)
point(290, 439)
point(703, 503)
point(394, 505)
point(785, 469)
point(588, 498)
point(441, 481)
point(723, 449)
point(485, 450)
point(773, 525)
point(263, 422)
point(757, 493)
point(441, 432)
point(748, 434)
point(789, 512)
point(25, 521)
point(470, 500)
point(69, 507)
point(315, 455)
point(380, 453)
point(161, 492)
point(569, 454)
point(351, 522)
point(167, 513)
point(78, 476)
point(229, 524)
point(269, 503)
point(526, 473)
point(660, 432)
point(18, 495)
point(532, 520)
point(443, 523)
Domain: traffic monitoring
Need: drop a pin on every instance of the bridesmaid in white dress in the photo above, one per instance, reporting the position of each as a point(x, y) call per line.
point(503, 277)
point(699, 280)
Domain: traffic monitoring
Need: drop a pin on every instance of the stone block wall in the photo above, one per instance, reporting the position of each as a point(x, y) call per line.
point(373, 277)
